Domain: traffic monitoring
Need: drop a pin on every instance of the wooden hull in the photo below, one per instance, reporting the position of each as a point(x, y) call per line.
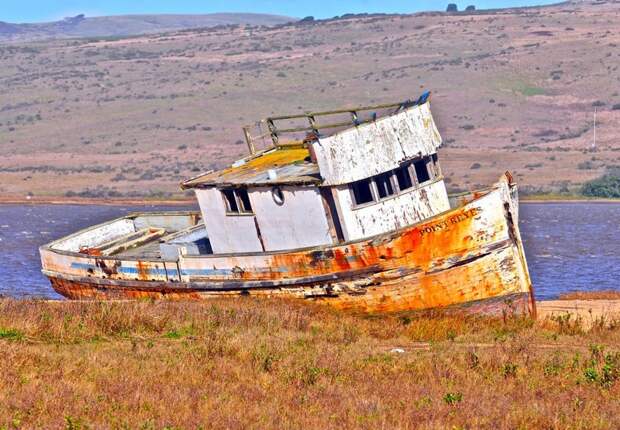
point(469, 258)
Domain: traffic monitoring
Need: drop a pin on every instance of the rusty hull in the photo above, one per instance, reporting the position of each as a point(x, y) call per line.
point(468, 258)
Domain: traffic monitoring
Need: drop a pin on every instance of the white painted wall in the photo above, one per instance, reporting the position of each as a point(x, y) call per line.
point(227, 233)
point(377, 147)
point(299, 222)
point(390, 214)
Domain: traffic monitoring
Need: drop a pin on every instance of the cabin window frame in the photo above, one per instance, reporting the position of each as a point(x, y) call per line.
point(429, 172)
point(389, 175)
point(371, 187)
point(241, 200)
point(436, 169)
point(432, 171)
point(405, 167)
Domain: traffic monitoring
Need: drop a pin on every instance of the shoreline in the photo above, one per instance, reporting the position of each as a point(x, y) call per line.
point(189, 202)
point(94, 202)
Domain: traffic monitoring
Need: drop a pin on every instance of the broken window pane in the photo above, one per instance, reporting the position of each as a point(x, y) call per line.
point(244, 199)
point(384, 185)
point(421, 170)
point(403, 177)
point(362, 192)
point(231, 201)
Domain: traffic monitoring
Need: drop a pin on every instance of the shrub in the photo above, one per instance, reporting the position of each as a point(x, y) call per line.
point(10, 334)
point(470, 8)
point(453, 398)
point(607, 186)
point(452, 7)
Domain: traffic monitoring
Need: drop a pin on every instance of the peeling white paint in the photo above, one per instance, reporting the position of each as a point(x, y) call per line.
point(96, 236)
point(392, 213)
point(377, 147)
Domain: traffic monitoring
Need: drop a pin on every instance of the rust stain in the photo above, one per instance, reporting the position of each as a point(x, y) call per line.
point(111, 269)
point(143, 270)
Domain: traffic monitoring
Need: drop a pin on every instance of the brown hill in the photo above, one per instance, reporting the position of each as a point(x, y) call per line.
point(513, 89)
point(127, 25)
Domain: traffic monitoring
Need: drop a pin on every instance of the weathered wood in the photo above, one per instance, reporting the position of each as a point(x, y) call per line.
point(376, 147)
point(140, 238)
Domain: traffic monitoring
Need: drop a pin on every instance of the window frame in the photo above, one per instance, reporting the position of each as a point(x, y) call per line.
point(429, 172)
point(373, 193)
point(405, 167)
point(241, 209)
point(430, 162)
point(390, 181)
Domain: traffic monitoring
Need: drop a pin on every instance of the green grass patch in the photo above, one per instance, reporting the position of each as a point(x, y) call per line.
point(11, 334)
point(180, 333)
point(520, 85)
point(529, 91)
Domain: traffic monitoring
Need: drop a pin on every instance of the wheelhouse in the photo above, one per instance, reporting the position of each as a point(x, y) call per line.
point(334, 183)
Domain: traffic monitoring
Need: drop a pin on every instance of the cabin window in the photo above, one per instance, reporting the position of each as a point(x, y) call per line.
point(403, 177)
point(231, 201)
point(436, 169)
point(362, 192)
point(384, 185)
point(237, 201)
point(421, 170)
point(244, 199)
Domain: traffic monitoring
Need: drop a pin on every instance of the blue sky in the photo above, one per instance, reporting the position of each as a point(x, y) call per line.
point(50, 10)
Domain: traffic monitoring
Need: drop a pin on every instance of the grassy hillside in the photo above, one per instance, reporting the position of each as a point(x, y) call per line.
point(252, 364)
point(512, 90)
point(126, 25)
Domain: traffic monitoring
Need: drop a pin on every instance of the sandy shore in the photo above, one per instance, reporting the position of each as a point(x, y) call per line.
point(589, 311)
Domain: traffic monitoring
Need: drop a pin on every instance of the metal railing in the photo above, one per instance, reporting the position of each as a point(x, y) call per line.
point(268, 128)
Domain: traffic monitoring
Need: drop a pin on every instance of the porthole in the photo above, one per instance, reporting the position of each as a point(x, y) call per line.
point(278, 195)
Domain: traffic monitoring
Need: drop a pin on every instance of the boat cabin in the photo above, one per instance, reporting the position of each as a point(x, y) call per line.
point(331, 182)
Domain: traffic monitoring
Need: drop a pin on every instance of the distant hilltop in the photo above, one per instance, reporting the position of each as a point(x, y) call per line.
point(128, 25)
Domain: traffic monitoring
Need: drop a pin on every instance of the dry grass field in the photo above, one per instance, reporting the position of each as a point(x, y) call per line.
point(129, 117)
point(256, 364)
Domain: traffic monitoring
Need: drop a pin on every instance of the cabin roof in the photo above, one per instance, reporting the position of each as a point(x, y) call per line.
point(291, 165)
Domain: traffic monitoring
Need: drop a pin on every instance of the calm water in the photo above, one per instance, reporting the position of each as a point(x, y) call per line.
point(569, 246)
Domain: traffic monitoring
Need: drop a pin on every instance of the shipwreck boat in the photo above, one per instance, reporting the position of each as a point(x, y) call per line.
point(350, 210)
